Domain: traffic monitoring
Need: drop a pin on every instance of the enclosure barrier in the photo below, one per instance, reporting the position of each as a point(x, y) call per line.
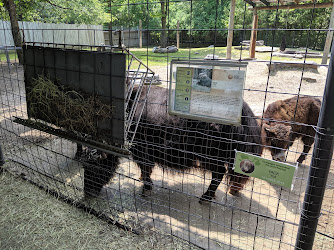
point(2, 160)
point(196, 196)
point(320, 166)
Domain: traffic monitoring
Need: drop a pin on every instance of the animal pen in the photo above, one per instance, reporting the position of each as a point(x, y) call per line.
point(85, 120)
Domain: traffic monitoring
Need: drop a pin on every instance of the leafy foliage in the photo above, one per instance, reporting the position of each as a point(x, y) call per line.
point(291, 23)
point(59, 11)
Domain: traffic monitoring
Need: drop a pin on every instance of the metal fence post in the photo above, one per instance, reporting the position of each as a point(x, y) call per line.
point(320, 165)
point(2, 160)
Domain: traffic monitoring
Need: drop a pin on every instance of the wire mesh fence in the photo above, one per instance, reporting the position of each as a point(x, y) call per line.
point(176, 174)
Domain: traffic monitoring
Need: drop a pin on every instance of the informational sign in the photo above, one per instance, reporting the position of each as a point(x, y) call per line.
point(278, 173)
point(208, 91)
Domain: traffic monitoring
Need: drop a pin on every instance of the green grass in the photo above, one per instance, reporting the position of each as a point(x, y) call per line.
point(162, 59)
point(12, 57)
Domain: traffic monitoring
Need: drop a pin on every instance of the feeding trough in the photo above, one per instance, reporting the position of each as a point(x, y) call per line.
point(83, 95)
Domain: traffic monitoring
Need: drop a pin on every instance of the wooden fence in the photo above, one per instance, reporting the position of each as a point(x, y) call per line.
point(53, 33)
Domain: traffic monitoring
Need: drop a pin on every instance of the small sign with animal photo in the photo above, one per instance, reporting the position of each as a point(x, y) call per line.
point(274, 172)
point(207, 91)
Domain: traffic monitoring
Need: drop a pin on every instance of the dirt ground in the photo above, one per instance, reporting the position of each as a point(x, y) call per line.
point(263, 217)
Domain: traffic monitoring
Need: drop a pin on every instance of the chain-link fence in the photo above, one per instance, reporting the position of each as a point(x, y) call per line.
point(117, 129)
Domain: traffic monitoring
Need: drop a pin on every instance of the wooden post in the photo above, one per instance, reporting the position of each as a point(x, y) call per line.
point(178, 34)
point(253, 34)
point(230, 31)
point(329, 39)
point(110, 34)
point(140, 35)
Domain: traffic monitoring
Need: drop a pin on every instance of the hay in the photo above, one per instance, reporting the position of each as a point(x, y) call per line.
point(65, 107)
point(31, 219)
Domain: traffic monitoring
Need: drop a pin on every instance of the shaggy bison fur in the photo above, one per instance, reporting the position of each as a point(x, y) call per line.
point(284, 124)
point(179, 143)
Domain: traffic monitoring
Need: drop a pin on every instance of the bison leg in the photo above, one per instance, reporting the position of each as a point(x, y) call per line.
point(97, 174)
point(308, 141)
point(211, 192)
point(79, 152)
point(293, 137)
point(237, 183)
point(146, 171)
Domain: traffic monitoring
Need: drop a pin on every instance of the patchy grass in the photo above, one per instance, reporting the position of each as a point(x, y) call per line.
point(162, 59)
point(32, 219)
point(12, 57)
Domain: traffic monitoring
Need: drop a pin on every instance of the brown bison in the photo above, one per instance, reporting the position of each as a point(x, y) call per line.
point(181, 144)
point(283, 124)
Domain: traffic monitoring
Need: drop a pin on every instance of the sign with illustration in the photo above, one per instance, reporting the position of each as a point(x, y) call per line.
point(207, 91)
point(275, 172)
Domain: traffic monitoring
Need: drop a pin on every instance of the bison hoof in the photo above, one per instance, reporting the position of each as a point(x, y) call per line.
point(235, 192)
point(90, 195)
point(146, 193)
point(204, 202)
point(205, 199)
point(77, 156)
point(300, 159)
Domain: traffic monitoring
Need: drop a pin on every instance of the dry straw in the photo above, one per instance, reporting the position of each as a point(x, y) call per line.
point(30, 219)
point(64, 107)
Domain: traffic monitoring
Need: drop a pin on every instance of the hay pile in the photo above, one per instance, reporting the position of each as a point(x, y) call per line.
point(64, 107)
point(32, 219)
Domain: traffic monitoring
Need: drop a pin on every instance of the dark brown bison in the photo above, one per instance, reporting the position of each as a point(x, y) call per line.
point(284, 123)
point(179, 143)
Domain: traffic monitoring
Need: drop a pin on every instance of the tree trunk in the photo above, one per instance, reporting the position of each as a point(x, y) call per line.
point(178, 34)
point(283, 43)
point(11, 8)
point(163, 25)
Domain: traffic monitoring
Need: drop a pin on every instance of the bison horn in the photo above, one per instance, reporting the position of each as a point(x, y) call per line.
point(269, 129)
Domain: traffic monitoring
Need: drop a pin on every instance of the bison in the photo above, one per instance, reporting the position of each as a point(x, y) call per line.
point(283, 124)
point(179, 143)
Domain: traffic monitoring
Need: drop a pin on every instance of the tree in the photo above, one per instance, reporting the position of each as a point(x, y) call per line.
point(11, 8)
point(55, 11)
point(60, 11)
point(163, 39)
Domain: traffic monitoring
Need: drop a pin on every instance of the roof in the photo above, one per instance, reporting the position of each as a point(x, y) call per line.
point(259, 3)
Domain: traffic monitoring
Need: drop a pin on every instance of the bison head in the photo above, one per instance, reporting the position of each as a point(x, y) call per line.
point(277, 137)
